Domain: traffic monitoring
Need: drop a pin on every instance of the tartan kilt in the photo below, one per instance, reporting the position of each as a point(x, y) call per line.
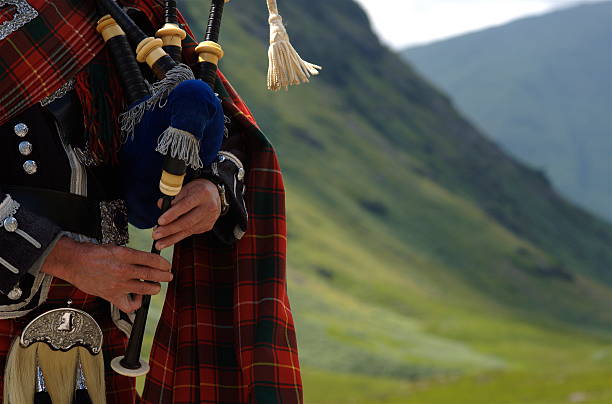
point(120, 390)
point(226, 333)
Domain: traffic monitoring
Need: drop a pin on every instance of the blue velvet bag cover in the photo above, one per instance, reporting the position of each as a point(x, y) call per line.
point(191, 108)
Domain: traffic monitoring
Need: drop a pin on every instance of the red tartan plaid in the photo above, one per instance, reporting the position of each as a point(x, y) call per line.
point(226, 333)
point(45, 53)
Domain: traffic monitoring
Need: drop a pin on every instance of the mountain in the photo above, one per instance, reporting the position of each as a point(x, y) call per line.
point(542, 88)
point(425, 264)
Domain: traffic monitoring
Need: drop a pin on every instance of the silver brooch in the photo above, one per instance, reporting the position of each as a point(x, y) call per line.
point(23, 15)
point(63, 329)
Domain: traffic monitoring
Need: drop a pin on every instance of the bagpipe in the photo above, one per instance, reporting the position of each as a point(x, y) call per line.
point(176, 123)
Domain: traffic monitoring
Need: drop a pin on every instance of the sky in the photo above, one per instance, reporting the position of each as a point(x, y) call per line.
point(402, 23)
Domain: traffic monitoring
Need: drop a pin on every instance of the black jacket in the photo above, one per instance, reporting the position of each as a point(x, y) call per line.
point(54, 161)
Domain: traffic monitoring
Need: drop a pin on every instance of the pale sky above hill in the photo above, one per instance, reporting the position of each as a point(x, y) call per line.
point(401, 23)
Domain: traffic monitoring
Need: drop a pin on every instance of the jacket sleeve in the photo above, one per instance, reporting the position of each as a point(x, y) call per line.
point(228, 173)
point(25, 240)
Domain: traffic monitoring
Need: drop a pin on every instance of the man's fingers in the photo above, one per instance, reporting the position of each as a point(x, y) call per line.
point(144, 288)
point(136, 302)
point(186, 222)
point(181, 195)
point(135, 257)
point(178, 209)
point(172, 240)
point(128, 304)
point(148, 274)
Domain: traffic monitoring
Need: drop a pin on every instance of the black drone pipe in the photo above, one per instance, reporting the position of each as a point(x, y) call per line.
point(171, 19)
point(207, 66)
point(214, 21)
point(147, 48)
point(133, 81)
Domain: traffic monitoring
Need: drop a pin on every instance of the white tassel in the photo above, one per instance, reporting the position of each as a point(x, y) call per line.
point(182, 145)
point(286, 66)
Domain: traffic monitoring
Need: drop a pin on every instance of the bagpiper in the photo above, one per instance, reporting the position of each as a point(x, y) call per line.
point(112, 112)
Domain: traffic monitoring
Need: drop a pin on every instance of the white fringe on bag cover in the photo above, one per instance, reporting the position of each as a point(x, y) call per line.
point(182, 145)
point(159, 92)
point(286, 66)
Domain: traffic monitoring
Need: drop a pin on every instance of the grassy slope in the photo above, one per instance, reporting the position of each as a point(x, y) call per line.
point(404, 282)
point(541, 87)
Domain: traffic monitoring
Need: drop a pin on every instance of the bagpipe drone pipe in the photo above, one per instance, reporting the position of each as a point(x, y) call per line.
point(173, 125)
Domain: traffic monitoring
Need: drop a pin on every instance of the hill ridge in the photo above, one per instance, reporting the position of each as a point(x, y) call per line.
point(552, 74)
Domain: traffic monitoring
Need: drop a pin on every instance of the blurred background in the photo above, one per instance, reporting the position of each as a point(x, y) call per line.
point(449, 193)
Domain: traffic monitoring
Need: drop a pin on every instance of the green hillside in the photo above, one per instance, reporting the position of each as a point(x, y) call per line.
point(425, 265)
point(542, 88)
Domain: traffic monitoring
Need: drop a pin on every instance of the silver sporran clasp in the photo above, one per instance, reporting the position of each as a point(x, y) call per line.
point(63, 329)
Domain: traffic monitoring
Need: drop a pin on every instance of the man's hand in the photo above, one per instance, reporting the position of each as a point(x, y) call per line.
point(195, 210)
point(110, 272)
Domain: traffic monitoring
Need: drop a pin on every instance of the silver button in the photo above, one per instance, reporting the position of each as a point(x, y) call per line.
point(10, 224)
point(240, 174)
point(25, 148)
point(21, 129)
point(30, 167)
point(15, 294)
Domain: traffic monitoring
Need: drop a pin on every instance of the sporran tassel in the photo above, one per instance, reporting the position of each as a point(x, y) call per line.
point(59, 370)
point(42, 395)
point(20, 374)
point(81, 395)
point(286, 66)
point(93, 371)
